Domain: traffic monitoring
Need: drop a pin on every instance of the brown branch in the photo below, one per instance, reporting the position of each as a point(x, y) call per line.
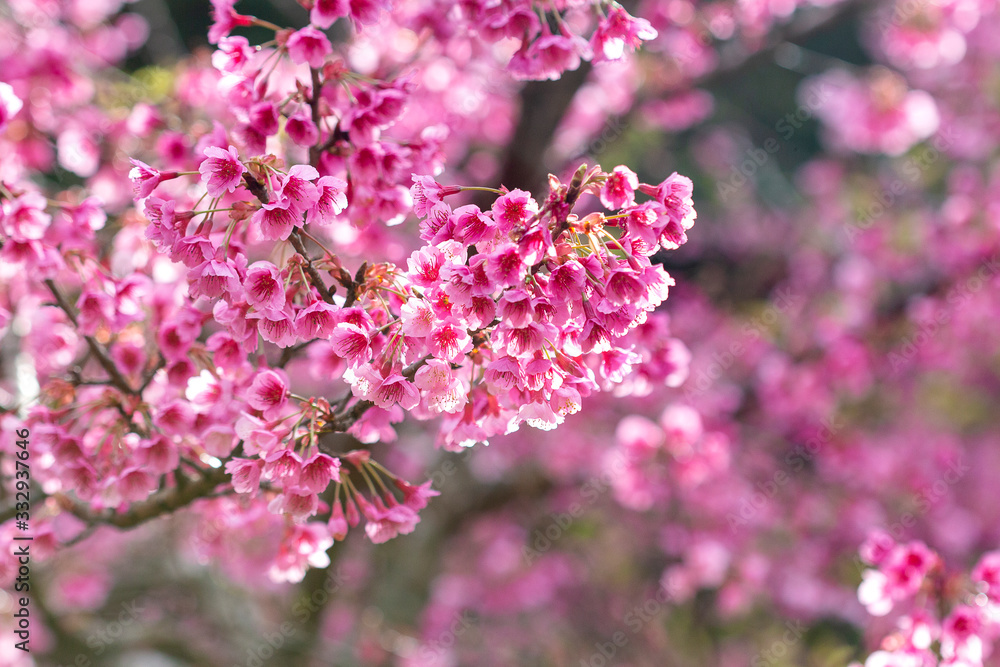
point(344, 420)
point(101, 354)
point(256, 188)
point(543, 106)
point(260, 192)
point(160, 363)
point(165, 502)
point(352, 289)
point(314, 276)
point(288, 353)
point(317, 86)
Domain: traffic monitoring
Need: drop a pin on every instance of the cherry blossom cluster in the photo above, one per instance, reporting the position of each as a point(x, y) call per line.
point(659, 456)
point(949, 618)
point(506, 315)
point(518, 331)
point(876, 113)
point(535, 40)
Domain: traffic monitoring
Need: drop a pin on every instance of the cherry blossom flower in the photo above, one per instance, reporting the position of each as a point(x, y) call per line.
point(619, 190)
point(268, 393)
point(304, 546)
point(224, 19)
point(617, 31)
point(302, 130)
point(246, 474)
point(385, 523)
point(309, 45)
point(222, 170)
point(325, 12)
point(263, 286)
point(331, 202)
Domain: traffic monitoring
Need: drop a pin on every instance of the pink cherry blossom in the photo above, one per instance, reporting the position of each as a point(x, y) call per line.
point(263, 286)
point(309, 45)
point(268, 393)
point(325, 12)
point(10, 104)
point(222, 170)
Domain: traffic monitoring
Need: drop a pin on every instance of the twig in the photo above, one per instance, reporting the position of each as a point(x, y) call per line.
point(315, 151)
point(343, 421)
point(352, 290)
point(158, 505)
point(114, 375)
point(317, 280)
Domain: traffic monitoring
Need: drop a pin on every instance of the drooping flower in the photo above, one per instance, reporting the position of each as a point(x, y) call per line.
point(619, 30)
point(264, 118)
point(224, 19)
point(351, 342)
point(245, 474)
point(415, 496)
point(268, 393)
point(427, 193)
point(386, 523)
point(396, 389)
point(297, 189)
point(302, 130)
point(619, 190)
point(325, 12)
point(297, 505)
point(305, 545)
point(275, 221)
point(275, 326)
point(283, 466)
point(222, 170)
point(309, 45)
point(233, 53)
point(338, 522)
point(145, 178)
point(214, 279)
point(263, 286)
point(318, 472)
point(316, 321)
point(331, 202)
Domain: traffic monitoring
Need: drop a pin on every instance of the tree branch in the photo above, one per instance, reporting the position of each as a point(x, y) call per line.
point(114, 375)
point(165, 502)
point(543, 105)
point(345, 419)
